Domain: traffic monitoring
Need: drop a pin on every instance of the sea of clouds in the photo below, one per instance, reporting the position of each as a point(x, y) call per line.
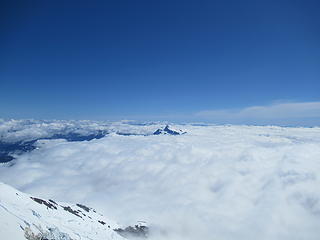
point(214, 182)
point(26, 130)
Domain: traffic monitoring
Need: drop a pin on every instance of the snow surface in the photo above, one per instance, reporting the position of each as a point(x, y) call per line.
point(214, 182)
point(20, 215)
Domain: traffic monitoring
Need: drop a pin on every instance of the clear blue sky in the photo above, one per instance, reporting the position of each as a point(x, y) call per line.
point(149, 59)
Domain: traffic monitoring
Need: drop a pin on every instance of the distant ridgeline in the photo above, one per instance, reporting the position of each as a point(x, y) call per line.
point(8, 149)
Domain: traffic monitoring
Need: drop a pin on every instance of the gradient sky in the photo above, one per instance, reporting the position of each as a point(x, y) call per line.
point(155, 59)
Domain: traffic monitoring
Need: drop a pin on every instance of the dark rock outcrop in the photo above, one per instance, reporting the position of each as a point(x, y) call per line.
point(138, 231)
point(167, 130)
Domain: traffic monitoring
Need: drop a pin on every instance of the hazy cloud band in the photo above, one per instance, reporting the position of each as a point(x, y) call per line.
point(288, 112)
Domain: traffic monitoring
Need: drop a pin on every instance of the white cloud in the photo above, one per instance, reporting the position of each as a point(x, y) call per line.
point(26, 130)
point(215, 182)
point(290, 113)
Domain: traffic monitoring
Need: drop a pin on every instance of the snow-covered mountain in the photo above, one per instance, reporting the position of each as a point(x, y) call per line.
point(167, 130)
point(26, 217)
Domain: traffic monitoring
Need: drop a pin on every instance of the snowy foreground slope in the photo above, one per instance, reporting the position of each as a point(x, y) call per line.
point(25, 217)
point(213, 182)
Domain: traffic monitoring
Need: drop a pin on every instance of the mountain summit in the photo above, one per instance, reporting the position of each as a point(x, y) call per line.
point(166, 130)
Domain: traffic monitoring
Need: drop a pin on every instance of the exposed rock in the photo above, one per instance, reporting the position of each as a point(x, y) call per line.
point(40, 201)
point(138, 231)
point(167, 130)
point(70, 210)
point(102, 222)
point(87, 209)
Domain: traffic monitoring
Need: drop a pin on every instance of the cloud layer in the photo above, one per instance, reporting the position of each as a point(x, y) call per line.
point(296, 113)
point(215, 182)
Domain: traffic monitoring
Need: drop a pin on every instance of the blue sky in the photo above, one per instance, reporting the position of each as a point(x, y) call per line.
point(166, 60)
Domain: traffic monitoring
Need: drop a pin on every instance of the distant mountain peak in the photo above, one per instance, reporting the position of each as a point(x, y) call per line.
point(168, 131)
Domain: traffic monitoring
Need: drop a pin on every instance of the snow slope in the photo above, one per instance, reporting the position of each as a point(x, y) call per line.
point(23, 216)
point(214, 182)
